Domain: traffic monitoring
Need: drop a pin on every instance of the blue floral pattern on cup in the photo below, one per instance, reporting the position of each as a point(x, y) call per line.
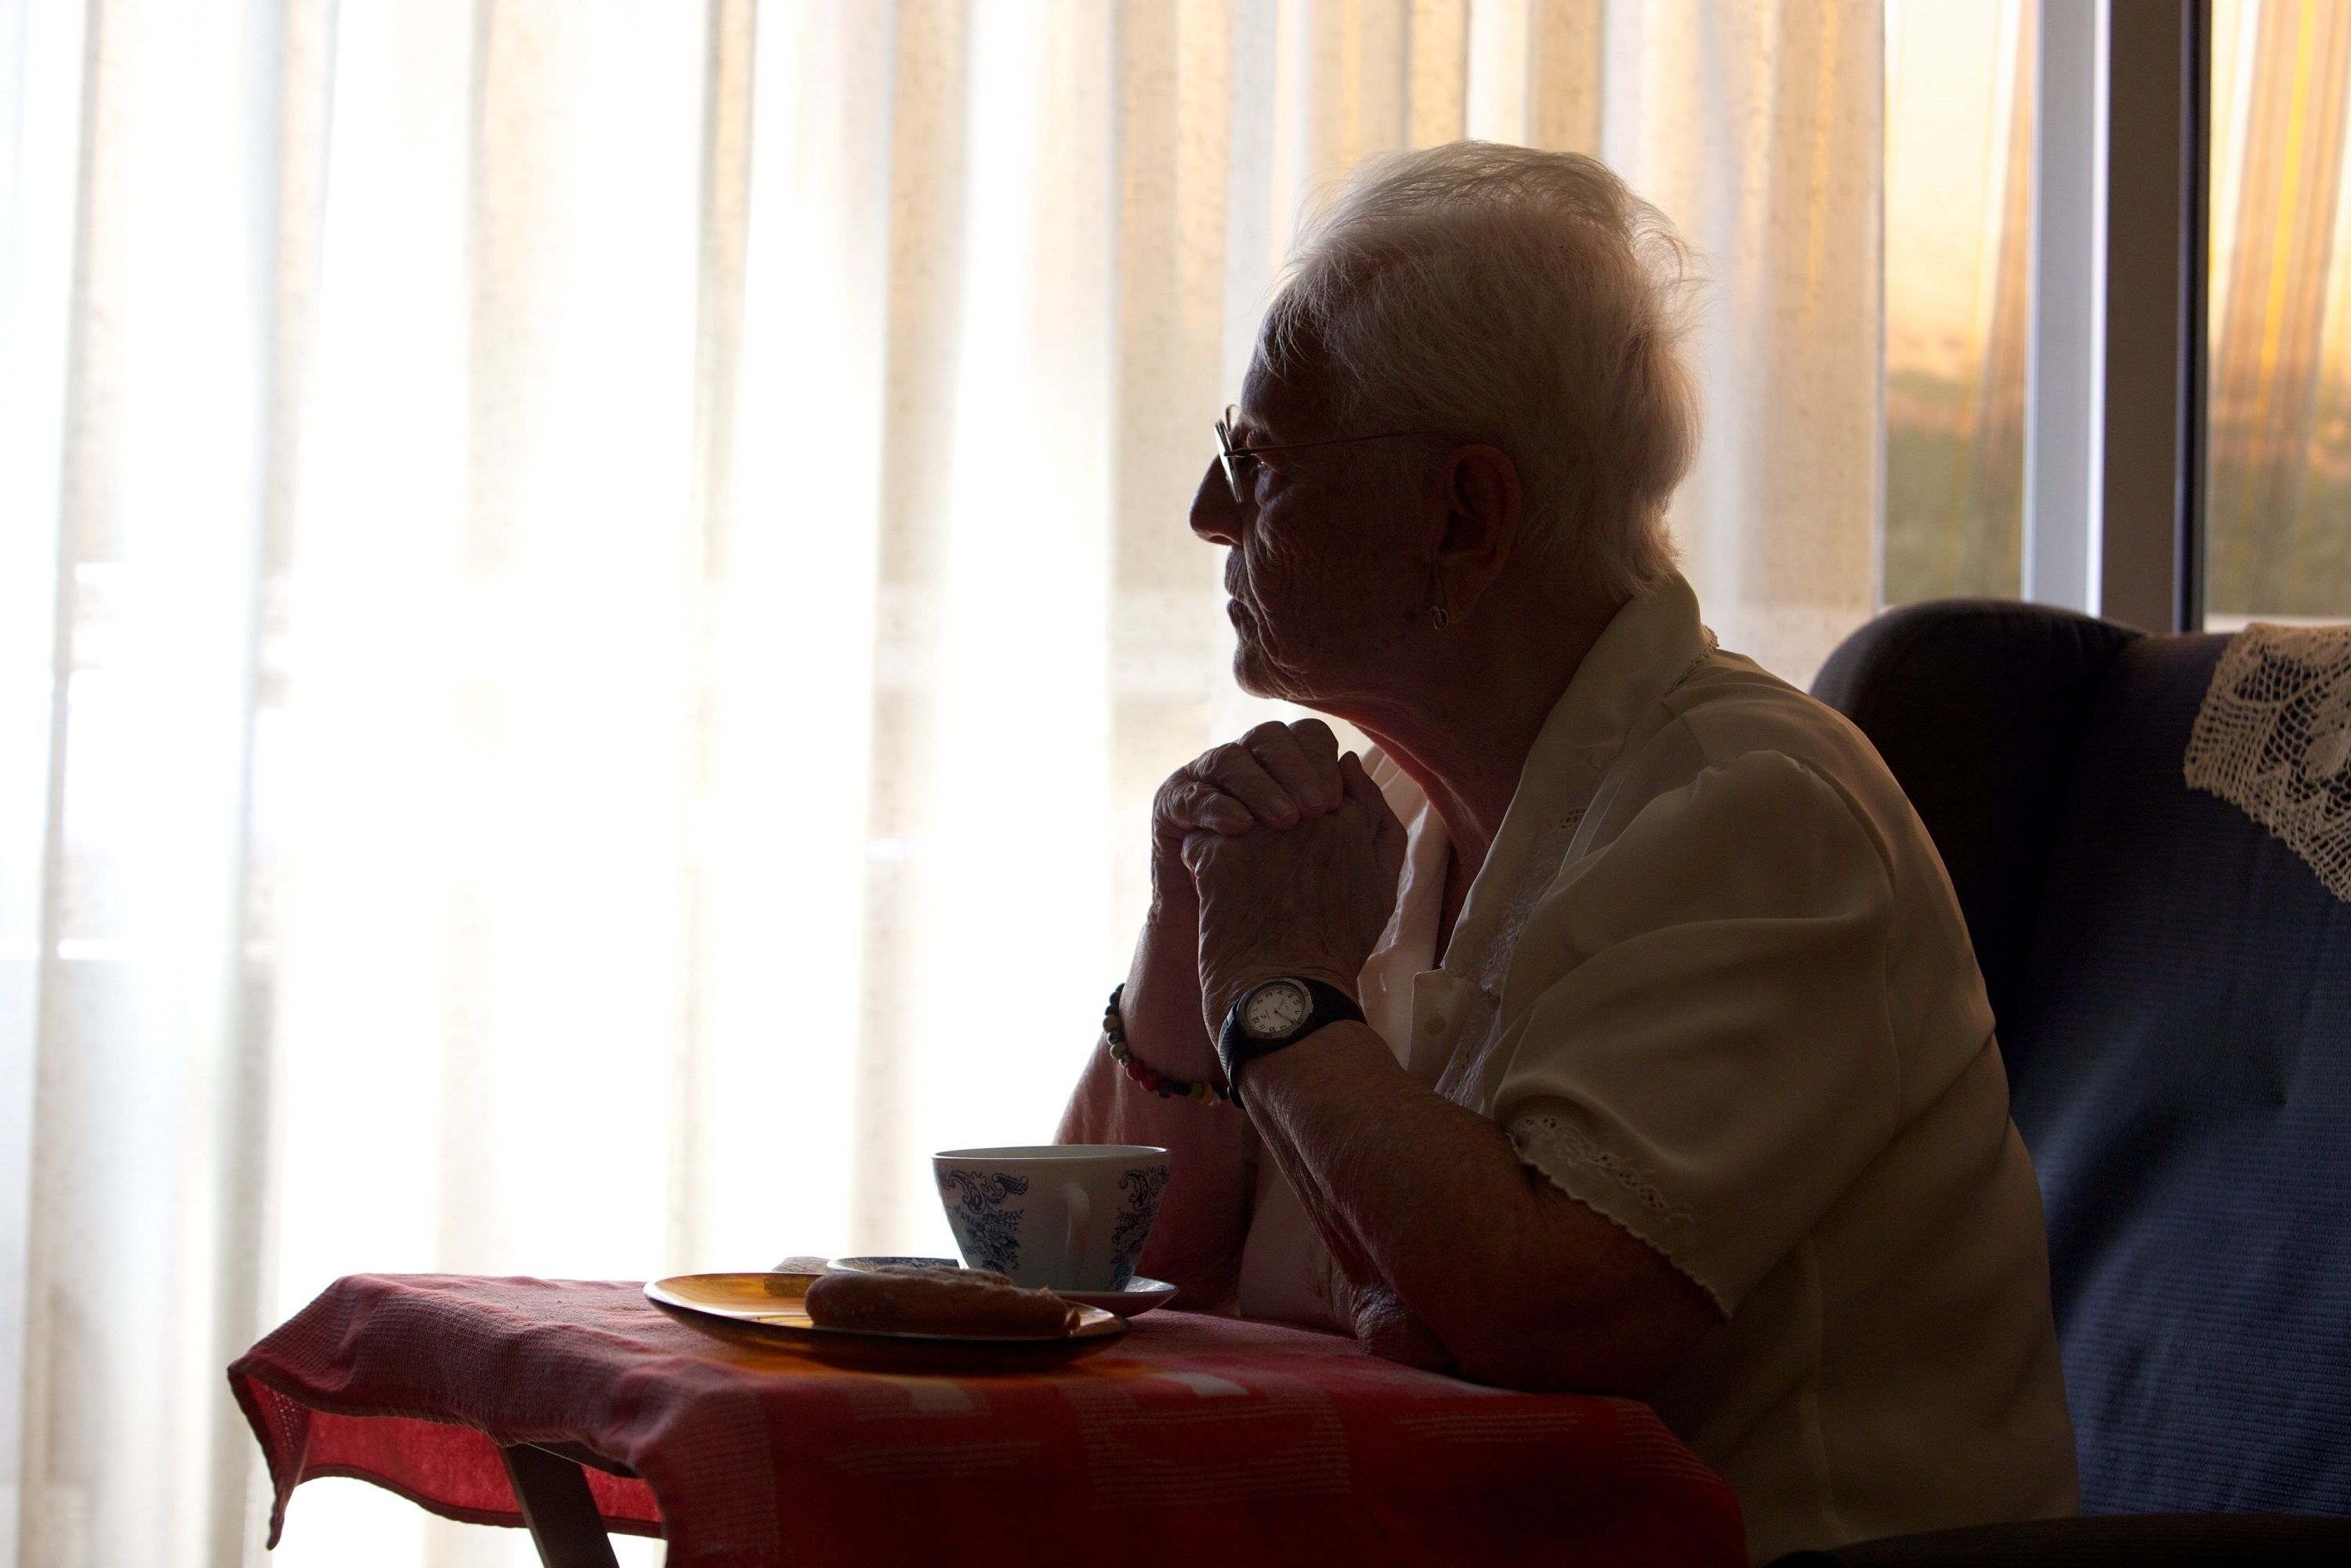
point(1144, 1189)
point(990, 1233)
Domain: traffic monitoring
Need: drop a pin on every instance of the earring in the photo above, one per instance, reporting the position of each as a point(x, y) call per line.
point(1437, 617)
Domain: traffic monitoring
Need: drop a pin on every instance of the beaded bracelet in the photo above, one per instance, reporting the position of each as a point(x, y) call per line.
point(1114, 1029)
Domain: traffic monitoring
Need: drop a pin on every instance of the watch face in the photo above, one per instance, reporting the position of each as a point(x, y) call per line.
point(1275, 1008)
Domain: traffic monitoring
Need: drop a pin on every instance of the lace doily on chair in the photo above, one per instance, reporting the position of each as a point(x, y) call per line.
point(2273, 738)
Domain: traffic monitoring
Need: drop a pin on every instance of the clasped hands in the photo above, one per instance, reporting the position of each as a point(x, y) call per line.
point(1286, 855)
point(1291, 854)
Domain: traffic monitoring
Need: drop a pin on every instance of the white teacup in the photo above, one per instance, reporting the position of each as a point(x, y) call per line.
point(1067, 1216)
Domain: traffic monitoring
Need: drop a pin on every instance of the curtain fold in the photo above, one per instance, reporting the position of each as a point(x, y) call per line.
point(596, 595)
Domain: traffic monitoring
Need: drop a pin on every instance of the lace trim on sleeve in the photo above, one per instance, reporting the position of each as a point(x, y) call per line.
point(1542, 1137)
point(2272, 738)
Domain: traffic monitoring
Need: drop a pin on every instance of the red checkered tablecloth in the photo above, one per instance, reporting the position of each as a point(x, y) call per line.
point(1193, 1439)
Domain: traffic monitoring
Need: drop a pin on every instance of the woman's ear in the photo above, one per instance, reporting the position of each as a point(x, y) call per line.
point(1483, 511)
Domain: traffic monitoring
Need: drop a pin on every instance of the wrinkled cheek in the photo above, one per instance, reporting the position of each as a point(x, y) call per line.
point(1288, 600)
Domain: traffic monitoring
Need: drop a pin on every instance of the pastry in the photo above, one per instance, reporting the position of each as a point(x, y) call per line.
point(898, 1300)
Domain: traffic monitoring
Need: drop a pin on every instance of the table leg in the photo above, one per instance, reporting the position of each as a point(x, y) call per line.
point(559, 1508)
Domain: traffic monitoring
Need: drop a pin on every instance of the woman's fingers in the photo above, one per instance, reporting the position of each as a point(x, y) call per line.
point(1359, 788)
point(1320, 748)
point(1185, 804)
point(1387, 832)
point(1234, 771)
point(1278, 774)
point(1303, 758)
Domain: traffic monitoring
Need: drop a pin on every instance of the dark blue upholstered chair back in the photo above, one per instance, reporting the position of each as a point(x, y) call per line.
point(2173, 990)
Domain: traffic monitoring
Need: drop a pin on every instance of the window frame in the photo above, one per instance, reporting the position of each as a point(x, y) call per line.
point(2115, 385)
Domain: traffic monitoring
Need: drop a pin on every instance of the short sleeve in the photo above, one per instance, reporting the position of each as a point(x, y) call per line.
point(1706, 1058)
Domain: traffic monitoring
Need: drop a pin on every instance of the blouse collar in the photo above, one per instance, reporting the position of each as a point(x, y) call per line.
point(1643, 653)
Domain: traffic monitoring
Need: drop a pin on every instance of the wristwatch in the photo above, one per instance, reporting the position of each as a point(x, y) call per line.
point(1275, 1013)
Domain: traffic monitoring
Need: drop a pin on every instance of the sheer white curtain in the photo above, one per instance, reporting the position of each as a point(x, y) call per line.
point(591, 596)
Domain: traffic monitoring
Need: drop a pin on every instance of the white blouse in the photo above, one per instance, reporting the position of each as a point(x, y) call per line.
point(1714, 983)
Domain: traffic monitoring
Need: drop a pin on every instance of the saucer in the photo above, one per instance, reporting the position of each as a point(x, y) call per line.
point(1140, 1296)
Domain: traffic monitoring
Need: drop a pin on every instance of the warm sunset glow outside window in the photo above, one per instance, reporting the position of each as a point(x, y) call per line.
point(1958, 211)
point(2278, 537)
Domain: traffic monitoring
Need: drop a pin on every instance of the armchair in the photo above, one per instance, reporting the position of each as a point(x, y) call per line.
point(2172, 986)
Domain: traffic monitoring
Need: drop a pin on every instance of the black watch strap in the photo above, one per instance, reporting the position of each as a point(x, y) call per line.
point(1237, 1043)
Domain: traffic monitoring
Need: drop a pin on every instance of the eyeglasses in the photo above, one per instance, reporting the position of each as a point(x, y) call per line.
point(1235, 460)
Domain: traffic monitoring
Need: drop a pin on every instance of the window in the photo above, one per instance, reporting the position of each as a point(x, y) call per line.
point(2278, 520)
point(1959, 182)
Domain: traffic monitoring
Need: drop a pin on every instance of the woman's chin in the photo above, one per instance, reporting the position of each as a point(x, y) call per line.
point(1251, 672)
point(1262, 677)
point(1255, 669)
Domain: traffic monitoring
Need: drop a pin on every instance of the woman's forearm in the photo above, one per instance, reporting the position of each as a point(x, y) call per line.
point(1196, 1242)
point(1523, 1285)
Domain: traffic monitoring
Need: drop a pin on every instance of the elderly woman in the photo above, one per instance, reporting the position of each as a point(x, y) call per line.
point(1611, 1025)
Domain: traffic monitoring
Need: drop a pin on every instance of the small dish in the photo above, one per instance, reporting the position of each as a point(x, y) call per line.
point(770, 1309)
point(1140, 1296)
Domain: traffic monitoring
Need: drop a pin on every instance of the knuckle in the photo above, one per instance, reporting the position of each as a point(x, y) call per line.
point(1181, 806)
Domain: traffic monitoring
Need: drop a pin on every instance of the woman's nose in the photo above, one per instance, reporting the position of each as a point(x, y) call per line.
point(1214, 516)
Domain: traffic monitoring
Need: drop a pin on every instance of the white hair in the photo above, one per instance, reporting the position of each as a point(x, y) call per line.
point(1516, 297)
